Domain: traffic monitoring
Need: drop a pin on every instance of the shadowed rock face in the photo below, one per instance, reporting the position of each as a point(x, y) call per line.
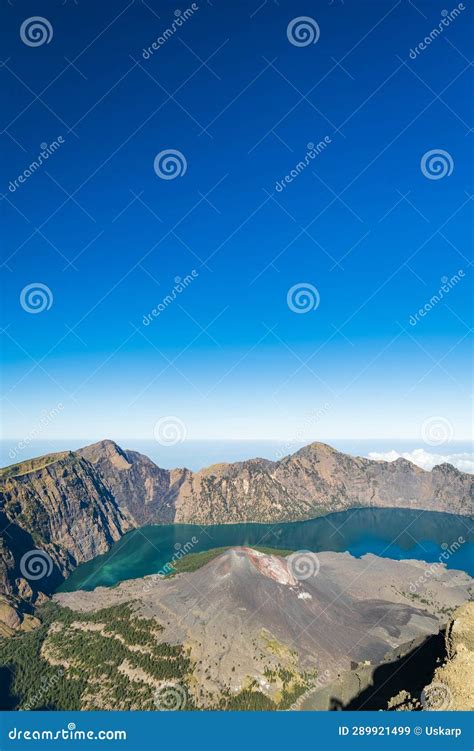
point(61, 507)
point(246, 615)
point(315, 480)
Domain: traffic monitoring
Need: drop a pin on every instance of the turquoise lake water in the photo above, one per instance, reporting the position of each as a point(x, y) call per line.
point(391, 533)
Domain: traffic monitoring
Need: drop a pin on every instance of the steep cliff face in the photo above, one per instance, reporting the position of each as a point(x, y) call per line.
point(452, 685)
point(60, 507)
point(316, 480)
point(146, 491)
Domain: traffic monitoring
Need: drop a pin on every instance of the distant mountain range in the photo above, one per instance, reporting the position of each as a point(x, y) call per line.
point(75, 505)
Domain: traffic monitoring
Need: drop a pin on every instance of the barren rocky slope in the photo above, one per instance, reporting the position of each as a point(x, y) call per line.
point(250, 622)
point(315, 480)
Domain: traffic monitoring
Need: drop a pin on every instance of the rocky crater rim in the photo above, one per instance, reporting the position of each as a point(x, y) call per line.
point(107, 447)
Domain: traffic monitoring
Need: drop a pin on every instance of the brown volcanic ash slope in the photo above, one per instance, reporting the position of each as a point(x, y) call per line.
point(315, 480)
point(246, 620)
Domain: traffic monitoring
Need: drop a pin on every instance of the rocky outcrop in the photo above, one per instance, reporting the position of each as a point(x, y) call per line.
point(138, 484)
point(314, 481)
point(452, 685)
point(54, 514)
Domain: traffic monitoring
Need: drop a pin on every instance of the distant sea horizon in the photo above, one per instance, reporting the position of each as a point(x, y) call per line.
point(196, 454)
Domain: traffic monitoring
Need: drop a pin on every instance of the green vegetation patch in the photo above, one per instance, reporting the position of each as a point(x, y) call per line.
point(31, 465)
point(106, 659)
point(194, 561)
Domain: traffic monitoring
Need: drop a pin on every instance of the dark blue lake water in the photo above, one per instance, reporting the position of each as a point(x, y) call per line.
point(391, 533)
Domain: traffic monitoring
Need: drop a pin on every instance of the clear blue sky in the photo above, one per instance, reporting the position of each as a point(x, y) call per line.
point(361, 223)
